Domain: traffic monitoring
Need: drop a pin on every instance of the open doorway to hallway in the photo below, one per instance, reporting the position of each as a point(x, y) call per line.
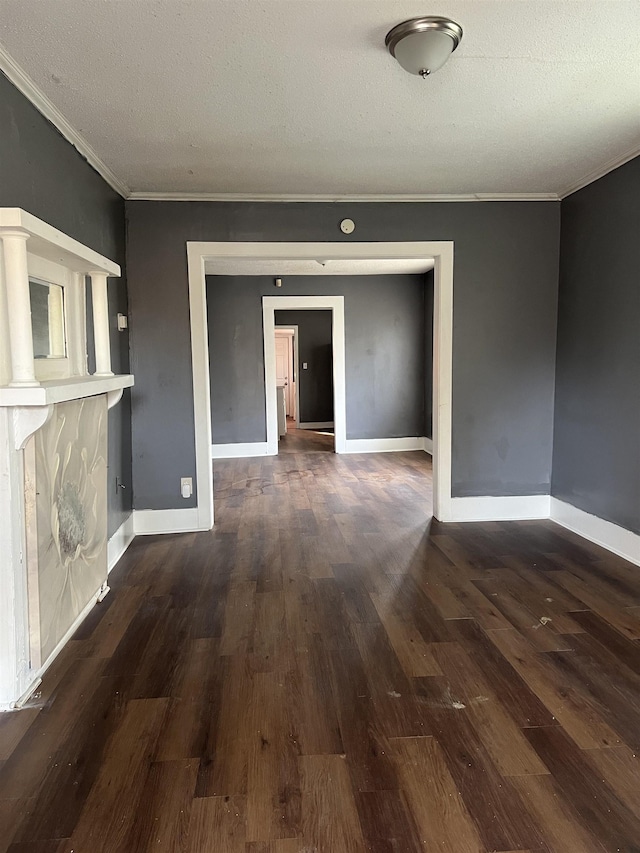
point(304, 380)
point(320, 369)
point(242, 260)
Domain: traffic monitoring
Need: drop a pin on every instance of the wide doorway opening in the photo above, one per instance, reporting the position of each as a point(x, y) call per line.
point(238, 259)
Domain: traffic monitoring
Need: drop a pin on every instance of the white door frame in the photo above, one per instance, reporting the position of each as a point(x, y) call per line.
point(335, 304)
point(293, 328)
point(200, 252)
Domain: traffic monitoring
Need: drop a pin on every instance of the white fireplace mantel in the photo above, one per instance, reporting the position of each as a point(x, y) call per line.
point(32, 407)
point(38, 387)
point(29, 246)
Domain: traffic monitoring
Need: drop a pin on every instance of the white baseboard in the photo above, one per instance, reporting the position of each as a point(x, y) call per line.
point(316, 425)
point(508, 508)
point(428, 445)
point(239, 451)
point(150, 521)
point(383, 445)
point(611, 536)
point(119, 542)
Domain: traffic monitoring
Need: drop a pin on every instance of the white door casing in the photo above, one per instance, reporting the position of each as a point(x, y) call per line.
point(200, 252)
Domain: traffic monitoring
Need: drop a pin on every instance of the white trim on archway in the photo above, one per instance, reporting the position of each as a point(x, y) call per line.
point(199, 253)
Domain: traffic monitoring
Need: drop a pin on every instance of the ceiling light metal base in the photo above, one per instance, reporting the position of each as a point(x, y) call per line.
point(420, 25)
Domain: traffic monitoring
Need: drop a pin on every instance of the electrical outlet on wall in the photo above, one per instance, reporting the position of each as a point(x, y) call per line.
point(186, 487)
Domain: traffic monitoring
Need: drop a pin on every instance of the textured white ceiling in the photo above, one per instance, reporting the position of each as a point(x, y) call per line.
point(320, 266)
point(301, 97)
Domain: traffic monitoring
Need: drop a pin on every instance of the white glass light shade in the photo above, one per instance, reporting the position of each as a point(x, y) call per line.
point(422, 45)
point(426, 51)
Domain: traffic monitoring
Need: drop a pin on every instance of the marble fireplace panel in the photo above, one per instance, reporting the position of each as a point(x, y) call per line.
point(66, 514)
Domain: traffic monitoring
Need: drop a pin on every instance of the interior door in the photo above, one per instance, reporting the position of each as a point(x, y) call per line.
point(282, 365)
point(291, 387)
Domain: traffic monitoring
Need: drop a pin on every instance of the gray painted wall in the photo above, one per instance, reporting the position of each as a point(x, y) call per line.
point(314, 342)
point(43, 174)
point(596, 457)
point(505, 309)
point(236, 362)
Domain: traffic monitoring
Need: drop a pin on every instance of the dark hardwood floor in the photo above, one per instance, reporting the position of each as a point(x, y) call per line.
point(330, 671)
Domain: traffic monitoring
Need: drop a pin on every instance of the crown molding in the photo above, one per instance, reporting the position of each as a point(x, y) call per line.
point(21, 80)
point(333, 198)
point(603, 170)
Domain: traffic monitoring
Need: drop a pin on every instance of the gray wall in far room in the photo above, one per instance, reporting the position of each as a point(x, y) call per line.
point(596, 455)
point(504, 336)
point(384, 341)
point(44, 174)
point(315, 383)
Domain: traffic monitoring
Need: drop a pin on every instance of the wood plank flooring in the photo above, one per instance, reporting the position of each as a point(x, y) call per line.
point(331, 671)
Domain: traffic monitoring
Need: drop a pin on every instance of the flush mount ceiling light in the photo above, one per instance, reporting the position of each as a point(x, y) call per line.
point(422, 45)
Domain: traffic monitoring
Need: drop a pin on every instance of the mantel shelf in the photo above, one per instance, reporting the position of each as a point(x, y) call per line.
point(60, 390)
point(47, 242)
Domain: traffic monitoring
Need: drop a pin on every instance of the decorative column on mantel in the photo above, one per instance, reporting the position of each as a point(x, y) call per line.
point(19, 307)
point(100, 302)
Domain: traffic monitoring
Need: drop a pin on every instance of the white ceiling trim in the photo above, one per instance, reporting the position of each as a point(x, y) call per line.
point(41, 102)
point(609, 166)
point(291, 197)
